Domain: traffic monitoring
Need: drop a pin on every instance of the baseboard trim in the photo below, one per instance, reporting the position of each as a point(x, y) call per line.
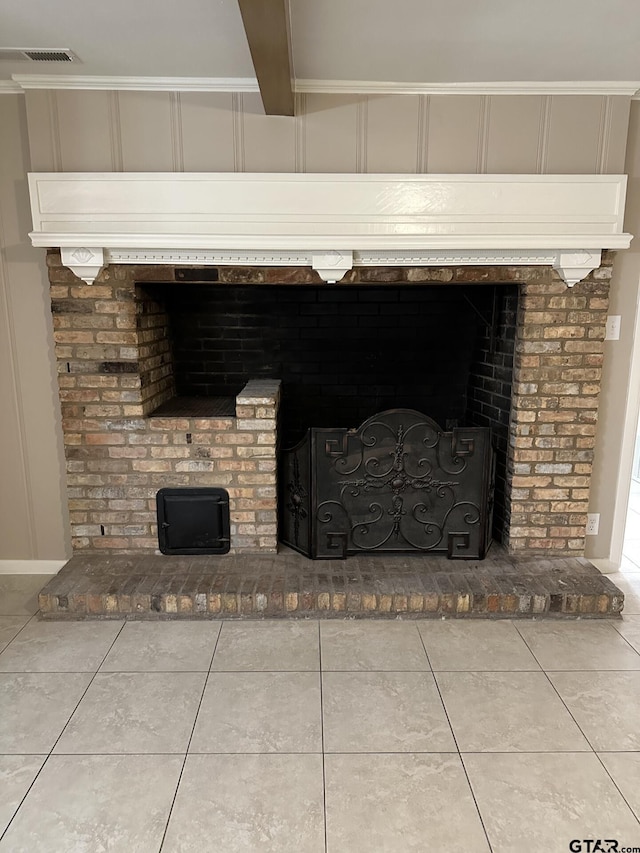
point(604, 565)
point(31, 567)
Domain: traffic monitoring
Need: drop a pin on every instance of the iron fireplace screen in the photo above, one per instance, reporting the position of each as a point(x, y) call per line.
point(397, 483)
point(193, 521)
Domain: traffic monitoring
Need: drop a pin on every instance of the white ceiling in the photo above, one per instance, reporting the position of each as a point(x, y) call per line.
point(412, 41)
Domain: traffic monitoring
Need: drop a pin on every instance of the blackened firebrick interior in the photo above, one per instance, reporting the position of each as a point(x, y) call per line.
point(344, 353)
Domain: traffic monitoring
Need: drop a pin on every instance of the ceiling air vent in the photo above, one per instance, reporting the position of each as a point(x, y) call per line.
point(32, 54)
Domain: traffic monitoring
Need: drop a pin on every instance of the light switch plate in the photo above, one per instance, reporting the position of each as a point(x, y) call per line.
point(612, 329)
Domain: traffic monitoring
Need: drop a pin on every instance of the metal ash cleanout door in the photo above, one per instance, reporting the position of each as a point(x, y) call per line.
point(193, 521)
point(397, 483)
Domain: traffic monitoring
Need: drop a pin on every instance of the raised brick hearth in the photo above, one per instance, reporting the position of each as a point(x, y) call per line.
point(115, 369)
point(290, 585)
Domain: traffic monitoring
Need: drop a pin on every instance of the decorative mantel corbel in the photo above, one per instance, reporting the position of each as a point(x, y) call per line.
point(84, 262)
point(331, 266)
point(574, 266)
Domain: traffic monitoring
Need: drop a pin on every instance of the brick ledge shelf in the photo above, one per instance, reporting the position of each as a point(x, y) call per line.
point(289, 585)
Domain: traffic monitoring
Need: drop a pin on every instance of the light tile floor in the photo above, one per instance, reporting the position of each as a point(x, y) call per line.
point(339, 736)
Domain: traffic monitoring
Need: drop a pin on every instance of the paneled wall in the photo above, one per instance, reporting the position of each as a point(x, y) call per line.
point(73, 130)
point(33, 511)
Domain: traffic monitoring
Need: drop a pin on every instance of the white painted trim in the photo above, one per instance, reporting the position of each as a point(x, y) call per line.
point(31, 567)
point(401, 251)
point(8, 87)
point(407, 220)
point(527, 87)
point(86, 263)
point(139, 84)
point(205, 257)
point(371, 87)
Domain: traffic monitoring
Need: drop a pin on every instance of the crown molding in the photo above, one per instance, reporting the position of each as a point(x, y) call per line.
point(9, 87)
point(20, 82)
point(368, 87)
point(138, 84)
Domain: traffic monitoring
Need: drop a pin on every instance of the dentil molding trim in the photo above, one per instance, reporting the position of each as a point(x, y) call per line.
point(329, 222)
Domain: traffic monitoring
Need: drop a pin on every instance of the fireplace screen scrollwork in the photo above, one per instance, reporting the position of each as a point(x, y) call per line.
point(397, 483)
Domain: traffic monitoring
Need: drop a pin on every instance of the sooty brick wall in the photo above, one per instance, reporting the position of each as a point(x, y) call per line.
point(490, 386)
point(342, 354)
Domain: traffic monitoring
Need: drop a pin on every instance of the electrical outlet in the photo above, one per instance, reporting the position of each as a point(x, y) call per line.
point(593, 523)
point(612, 328)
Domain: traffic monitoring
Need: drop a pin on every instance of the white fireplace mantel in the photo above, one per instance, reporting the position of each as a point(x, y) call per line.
point(331, 222)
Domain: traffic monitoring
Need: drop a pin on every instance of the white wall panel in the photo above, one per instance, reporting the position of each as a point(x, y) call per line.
point(514, 134)
point(147, 133)
point(454, 141)
point(84, 127)
point(331, 133)
point(575, 134)
point(392, 136)
point(207, 131)
point(44, 142)
point(615, 141)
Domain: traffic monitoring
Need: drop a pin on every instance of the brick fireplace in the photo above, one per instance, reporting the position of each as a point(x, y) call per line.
point(533, 376)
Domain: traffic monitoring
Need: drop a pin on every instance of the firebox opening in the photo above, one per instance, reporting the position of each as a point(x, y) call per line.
point(342, 354)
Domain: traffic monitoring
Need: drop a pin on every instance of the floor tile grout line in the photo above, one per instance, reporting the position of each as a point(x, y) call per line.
point(223, 622)
point(186, 754)
point(50, 753)
point(633, 649)
point(557, 692)
point(259, 671)
point(426, 653)
point(105, 672)
point(572, 751)
point(617, 787)
point(595, 669)
point(324, 774)
point(455, 740)
point(631, 646)
point(27, 792)
point(28, 622)
point(524, 671)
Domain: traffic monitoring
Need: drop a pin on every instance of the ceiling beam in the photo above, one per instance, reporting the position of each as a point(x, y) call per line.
point(266, 25)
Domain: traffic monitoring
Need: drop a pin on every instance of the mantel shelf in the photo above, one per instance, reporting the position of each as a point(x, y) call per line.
point(329, 222)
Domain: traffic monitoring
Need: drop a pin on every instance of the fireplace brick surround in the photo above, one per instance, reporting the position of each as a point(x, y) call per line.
point(113, 371)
